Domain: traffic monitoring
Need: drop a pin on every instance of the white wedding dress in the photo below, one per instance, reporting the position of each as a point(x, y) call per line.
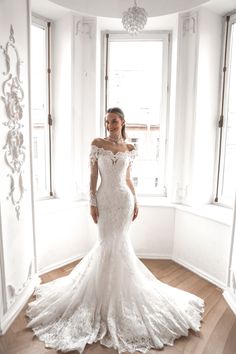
point(111, 296)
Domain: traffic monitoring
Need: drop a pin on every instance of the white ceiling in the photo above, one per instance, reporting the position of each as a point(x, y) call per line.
point(115, 8)
point(221, 6)
point(47, 9)
point(54, 9)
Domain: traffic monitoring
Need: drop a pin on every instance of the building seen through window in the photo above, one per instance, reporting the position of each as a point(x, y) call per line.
point(137, 83)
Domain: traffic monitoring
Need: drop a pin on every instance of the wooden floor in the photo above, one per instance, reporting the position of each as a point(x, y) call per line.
point(217, 336)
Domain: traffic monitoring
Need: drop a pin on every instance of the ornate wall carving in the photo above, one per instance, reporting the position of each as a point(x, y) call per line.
point(189, 23)
point(12, 292)
point(83, 28)
point(12, 97)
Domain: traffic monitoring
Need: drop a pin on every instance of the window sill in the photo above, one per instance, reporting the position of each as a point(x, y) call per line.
point(155, 201)
point(56, 204)
point(212, 212)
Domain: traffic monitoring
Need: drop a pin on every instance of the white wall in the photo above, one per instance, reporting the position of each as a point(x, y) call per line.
point(202, 244)
point(75, 101)
point(17, 260)
point(230, 291)
point(66, 232)
point(88, 35)
point(184, 105)
point(198, 78)
point(207, 106)
point(62, 75)
point(152, 232)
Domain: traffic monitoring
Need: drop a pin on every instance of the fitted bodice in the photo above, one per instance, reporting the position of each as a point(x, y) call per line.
point(115, 200)
point(112, 166)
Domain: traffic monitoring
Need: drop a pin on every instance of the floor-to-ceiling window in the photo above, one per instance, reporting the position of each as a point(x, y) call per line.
point(137, 81)
point(226, 181)
point(40, 104)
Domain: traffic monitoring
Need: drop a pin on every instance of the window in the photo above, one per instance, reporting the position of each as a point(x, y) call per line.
point(40, 112)
point(226, 181)
point(137, 82)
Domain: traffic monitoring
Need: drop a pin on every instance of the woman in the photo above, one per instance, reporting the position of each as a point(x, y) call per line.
point(115, 145)
point(110, 296)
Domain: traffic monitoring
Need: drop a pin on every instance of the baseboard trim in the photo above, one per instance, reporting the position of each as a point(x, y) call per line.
point(199, 272)
point(16, 308)
point(152, 256)
point(57, 265)
point(230, 299)
point(69, 260)
point(194, 269)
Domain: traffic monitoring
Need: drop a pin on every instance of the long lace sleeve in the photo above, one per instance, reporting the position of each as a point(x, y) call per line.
point(128, 175)
point(93, 174)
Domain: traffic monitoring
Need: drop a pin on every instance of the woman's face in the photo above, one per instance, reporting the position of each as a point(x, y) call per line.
point(114, 123)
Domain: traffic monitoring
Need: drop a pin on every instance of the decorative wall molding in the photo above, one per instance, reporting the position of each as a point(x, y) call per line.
point(199, 272)
point(2, 270)
point(189, 24)
point(15, 309)
point(181, 193)
point(83, 28)
point(12, 292)
point(13, 96)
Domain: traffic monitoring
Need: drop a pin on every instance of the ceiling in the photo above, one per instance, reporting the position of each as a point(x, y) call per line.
point(55, 9)
point(115, 8)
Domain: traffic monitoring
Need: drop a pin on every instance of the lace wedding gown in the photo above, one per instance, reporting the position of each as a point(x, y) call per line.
point(110, 296)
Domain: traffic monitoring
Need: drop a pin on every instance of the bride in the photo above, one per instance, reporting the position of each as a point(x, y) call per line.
point(111, 296)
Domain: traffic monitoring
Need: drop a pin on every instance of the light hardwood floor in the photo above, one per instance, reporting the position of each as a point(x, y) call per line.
point(218, 331)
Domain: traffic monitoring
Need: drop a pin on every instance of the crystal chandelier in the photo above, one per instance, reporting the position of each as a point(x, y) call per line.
point(134, 19)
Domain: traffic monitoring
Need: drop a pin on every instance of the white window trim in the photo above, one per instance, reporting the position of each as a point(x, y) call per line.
point(42, 23)
point(221, 200)
point(165, 36)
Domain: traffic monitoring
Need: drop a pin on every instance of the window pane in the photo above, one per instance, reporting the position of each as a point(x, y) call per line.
point(229, 174)
point(136, 86)
point(39, 111)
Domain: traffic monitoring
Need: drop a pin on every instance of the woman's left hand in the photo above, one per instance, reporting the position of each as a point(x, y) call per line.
point(135, 214)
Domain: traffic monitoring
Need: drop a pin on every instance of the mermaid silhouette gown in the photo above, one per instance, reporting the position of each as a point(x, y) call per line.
point(111, 296)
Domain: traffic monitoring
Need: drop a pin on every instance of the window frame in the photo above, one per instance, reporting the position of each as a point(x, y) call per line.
point(45, 24)
point(222, 124)
point(166, 37)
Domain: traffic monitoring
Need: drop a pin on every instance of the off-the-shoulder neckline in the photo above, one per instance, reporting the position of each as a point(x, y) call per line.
point(114, 153)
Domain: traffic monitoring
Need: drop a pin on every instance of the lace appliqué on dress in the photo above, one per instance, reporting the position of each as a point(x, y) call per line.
point(111, 296)
point(96, 151)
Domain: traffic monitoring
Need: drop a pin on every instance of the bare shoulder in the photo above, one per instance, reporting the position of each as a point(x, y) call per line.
point(98, 142)
point(130, 147)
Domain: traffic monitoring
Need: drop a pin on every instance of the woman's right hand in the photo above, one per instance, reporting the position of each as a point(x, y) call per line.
point(94, 213)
